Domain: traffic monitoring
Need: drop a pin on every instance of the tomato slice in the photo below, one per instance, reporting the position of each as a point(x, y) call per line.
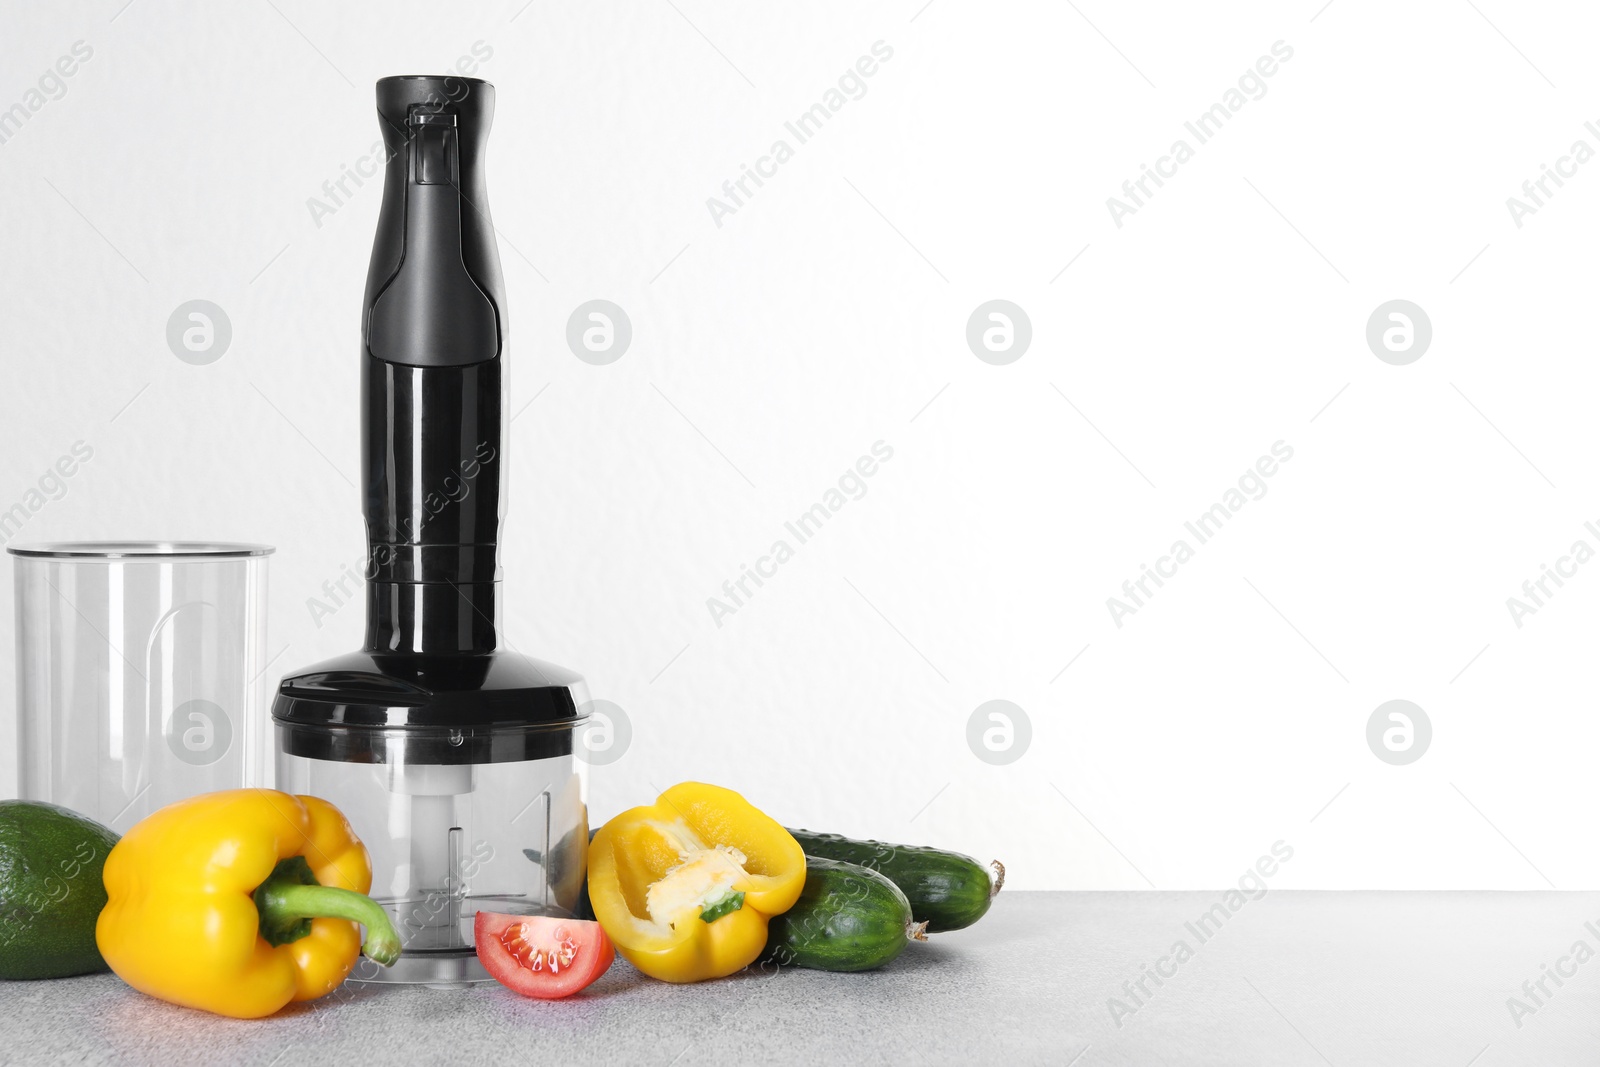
point(541, 956)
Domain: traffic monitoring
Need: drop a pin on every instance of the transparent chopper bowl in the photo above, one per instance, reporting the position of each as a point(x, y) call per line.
point(450, 840)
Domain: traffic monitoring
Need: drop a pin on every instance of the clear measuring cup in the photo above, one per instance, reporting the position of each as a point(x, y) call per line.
point(139, 673)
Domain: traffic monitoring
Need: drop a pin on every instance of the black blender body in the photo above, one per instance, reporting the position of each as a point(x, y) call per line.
point(433, 332)
point(452, 756)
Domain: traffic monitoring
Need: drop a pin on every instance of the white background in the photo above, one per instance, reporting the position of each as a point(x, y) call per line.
point(829, 313)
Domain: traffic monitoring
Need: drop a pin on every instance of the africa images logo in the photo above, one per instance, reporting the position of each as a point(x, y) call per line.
point(1252, 85)
point(851, 85)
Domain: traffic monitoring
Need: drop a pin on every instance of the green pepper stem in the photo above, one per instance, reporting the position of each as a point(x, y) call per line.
point(725, 904)
point(291, 897)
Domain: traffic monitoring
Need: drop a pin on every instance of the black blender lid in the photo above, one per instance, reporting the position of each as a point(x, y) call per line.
point(440, 690)
point(445, 708)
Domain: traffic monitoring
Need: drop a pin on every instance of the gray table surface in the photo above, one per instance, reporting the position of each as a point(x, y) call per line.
point(1409, 979)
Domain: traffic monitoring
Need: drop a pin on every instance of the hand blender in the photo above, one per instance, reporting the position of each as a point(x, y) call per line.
point(452, 756)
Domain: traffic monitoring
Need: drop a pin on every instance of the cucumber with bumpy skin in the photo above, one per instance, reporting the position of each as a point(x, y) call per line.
point(848, 918)
point(947, 890)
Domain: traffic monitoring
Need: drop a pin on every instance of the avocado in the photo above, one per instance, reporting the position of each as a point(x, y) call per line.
point(51, 890)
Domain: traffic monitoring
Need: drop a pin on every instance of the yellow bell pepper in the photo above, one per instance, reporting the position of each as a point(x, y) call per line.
point(684, 887)
point(239, 902)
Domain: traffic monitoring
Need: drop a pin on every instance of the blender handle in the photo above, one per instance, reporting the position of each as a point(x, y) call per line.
point(433, 339)
point(434, 286)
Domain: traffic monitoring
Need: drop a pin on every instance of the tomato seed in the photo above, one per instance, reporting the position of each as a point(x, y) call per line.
point(516, 939)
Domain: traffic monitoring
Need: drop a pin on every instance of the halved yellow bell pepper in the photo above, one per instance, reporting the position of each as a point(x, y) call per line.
point(684, 887)
point(239, 902)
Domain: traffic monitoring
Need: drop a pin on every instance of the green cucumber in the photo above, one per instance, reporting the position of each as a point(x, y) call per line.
point(848, 918)
point(947, 890)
